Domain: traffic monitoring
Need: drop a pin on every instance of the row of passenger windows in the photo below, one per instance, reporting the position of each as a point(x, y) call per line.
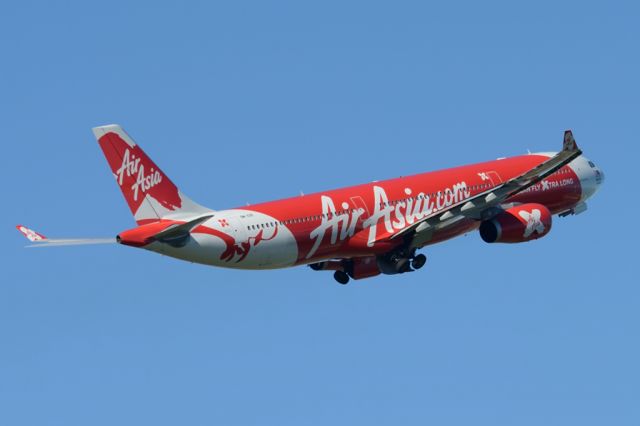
point(341, 212)
point(295, 220)
point(483, 186)
point(432, 195)
point(299, 220)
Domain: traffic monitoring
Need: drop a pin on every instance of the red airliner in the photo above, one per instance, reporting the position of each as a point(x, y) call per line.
point(356, 232)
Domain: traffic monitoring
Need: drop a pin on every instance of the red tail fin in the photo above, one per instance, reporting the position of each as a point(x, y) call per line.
point(149, 193)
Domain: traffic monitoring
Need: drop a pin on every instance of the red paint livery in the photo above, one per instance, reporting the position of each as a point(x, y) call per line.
point(359, 231)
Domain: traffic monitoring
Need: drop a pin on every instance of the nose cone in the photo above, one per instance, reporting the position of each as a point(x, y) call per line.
point(590, 175)
point(599, 176)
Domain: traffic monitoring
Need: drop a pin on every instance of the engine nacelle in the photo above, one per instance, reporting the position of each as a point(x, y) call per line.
point(518, 224)
point(363, 267)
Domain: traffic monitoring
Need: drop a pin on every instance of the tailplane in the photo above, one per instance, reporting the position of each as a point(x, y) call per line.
point(150, 194)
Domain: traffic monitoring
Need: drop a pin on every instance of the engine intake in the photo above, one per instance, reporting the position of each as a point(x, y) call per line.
point(518, 224)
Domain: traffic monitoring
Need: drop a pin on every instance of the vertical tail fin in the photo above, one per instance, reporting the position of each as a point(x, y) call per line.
point(150, 194)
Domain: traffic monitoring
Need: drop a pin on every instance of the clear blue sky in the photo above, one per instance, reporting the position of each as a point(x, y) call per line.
point(250, 101)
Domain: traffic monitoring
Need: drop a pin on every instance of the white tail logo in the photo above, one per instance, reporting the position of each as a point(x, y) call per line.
point(130, 166)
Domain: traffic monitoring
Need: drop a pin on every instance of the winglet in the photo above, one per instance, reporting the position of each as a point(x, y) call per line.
point(569, 142)
point(31, 235)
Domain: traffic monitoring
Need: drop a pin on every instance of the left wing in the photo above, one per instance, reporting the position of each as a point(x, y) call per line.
point(485, 204)
point(40, 240)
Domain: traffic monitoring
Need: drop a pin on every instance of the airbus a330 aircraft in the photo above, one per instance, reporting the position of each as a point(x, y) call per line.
point(356, 232)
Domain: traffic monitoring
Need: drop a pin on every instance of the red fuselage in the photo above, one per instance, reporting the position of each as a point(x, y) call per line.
point(407, 200)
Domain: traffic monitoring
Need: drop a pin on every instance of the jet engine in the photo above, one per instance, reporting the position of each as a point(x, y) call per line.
point(518, 224)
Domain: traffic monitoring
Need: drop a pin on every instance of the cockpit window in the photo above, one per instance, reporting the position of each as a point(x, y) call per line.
point(592, 165)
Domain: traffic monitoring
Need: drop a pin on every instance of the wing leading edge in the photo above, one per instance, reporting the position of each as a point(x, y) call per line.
point(485, 204)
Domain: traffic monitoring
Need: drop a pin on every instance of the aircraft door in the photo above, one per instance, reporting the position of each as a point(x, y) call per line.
point(358, 204)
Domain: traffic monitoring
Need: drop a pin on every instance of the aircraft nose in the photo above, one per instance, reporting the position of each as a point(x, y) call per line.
point(589, 175)
point(599, 176)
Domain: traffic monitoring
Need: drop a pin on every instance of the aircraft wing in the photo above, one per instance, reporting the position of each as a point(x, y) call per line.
point(486, 204)
point(40, 240)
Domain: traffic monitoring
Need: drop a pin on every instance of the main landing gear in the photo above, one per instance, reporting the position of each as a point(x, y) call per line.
point(394, 264)
point(418, 261)
point(341, 277)
point(397, 262)
point(401, 261)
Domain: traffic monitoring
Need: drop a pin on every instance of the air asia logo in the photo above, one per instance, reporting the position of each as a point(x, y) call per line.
point(534, 224)
point(143, 182)
point(395, 216)
point(138, 177)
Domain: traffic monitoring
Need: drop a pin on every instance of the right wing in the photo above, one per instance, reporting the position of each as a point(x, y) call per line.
point(484, 205)
point(40, 240)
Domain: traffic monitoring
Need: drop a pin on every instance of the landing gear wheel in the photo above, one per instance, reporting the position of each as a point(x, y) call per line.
point(419, 261)
point(341, 277)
